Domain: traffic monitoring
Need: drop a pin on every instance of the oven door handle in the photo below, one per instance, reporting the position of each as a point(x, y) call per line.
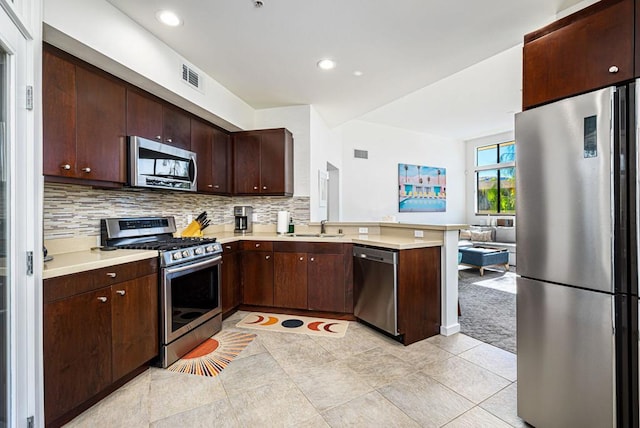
point(194, 265)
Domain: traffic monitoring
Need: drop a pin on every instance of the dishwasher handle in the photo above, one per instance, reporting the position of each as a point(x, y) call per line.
point(376, 255)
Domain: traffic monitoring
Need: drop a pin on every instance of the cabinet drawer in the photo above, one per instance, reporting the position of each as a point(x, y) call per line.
point(70, 285)
point(257, 245)
point(308, 247)
point(230, 247)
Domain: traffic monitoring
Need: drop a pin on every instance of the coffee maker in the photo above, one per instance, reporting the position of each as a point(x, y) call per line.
point(243, 216)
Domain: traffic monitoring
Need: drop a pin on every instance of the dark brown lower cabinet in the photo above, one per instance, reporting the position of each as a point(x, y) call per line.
point(231, 291)
point(326, 282)
point(419, 293)
point(290, 280)
point(257, 278)
point(99, 326)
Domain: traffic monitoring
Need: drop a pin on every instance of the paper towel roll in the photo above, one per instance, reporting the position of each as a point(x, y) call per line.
point(283, 222)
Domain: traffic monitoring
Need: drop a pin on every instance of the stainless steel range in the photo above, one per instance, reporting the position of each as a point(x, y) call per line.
point(190, 307)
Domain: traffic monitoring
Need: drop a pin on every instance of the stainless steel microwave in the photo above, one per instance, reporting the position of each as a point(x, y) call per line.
point(161, 166)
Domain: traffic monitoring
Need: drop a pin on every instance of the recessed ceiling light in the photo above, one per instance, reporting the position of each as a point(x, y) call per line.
point(326, 64)
point(358, 73)
point(169, 18)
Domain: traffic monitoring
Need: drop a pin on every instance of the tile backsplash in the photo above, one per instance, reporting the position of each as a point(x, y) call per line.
point(73, 211)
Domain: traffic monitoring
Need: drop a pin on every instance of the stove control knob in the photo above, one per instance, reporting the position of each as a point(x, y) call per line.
point(199, 250)
point(185, 253)
point(177, 255)
point(209, 249)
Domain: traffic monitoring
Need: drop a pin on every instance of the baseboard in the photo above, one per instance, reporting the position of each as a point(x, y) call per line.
point(450, 330)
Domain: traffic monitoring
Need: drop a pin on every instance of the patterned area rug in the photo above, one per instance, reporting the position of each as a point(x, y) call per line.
point(295, 324)
point(487, 313)
point(213, 355)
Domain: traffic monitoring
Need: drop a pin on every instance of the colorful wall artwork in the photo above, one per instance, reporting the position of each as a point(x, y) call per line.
point(421, 188)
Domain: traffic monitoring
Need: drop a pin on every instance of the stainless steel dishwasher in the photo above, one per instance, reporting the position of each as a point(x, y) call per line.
point(375, 274)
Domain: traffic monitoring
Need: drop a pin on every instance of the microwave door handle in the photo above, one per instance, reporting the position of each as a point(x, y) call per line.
point(193, 167)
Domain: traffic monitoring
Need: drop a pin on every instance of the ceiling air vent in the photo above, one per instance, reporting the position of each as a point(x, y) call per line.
point(360, 154)
point(191, 77)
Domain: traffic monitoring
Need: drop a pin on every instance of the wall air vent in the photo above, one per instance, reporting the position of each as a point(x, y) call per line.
point(191, 77)
point(360, 154)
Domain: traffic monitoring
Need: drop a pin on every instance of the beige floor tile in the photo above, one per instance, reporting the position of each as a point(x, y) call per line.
point(370, 410)
point(330, 385)
point(218, 413)
point(278, 403)
point(251, 372)
point(180, 392)
point(378, 367)
point(419, 353)
point(467, 379)
point(456, 343)
point(254, 348)
point(504, 405)
point(477, 418)
point(301, 355)
point(355, 341)
point(315, 422)
point(126, 407)
point(425, 400)
point(497, 360)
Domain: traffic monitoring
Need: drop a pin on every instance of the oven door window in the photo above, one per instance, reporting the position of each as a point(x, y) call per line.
point(195, 298)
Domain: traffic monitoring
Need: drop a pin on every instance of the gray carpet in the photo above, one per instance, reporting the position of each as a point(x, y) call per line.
point(487, 314)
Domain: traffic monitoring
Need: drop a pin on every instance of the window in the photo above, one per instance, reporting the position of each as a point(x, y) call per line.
point(496, 179)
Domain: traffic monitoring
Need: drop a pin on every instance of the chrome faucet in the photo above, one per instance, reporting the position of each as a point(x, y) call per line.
point(322, 226)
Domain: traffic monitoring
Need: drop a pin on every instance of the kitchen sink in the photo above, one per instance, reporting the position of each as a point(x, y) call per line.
point(315, 235)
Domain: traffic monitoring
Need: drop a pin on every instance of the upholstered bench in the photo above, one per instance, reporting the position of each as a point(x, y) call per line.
point(482, 256)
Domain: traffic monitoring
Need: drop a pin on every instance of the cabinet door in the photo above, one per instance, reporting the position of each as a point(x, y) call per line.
point(77, 350)
point(176, 126)
point(134, 324)
point(257, 278)
point(272, 165)
point(144, 116)
point(231, 287)
point(246, 163)
point(58, 115)
point(221, 167)
point(326, 282)
point(577, 57)
point(100, 134)
point(202, 145)
point(290, 280)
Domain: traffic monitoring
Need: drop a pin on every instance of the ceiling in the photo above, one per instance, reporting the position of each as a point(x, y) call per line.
point(267, 56)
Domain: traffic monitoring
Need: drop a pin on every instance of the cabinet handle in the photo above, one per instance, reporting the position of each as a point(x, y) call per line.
point(66, 166)
point(312, 259)
point(121, 292)
point(87, 170)
point(112, 274)
point(217, 186)
point(103, 299)
point(257, 245)
point(264, 187)
point(255, 187)
point(613, 69)
point(210, 185)
point(228, 247)
point(169, 140)
point(158, 137)
point(301, 258)
point(267, 257)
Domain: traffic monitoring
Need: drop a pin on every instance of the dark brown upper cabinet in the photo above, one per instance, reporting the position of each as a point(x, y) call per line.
point(590, 49)
point(213, 148)
point(263, 162)
point(83, 122)
point(156, 120)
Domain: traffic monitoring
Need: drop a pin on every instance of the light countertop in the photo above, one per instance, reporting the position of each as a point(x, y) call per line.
point(80, 261)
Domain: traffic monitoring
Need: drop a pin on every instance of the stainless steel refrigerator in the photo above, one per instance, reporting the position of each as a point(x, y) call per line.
point(577, 236)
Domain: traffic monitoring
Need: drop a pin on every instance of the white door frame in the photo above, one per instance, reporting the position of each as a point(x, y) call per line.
point(23, 135)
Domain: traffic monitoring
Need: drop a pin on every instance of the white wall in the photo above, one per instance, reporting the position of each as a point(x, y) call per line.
point(325, 147)
point(370, 186)
point(120, 46)
point(470, 151)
